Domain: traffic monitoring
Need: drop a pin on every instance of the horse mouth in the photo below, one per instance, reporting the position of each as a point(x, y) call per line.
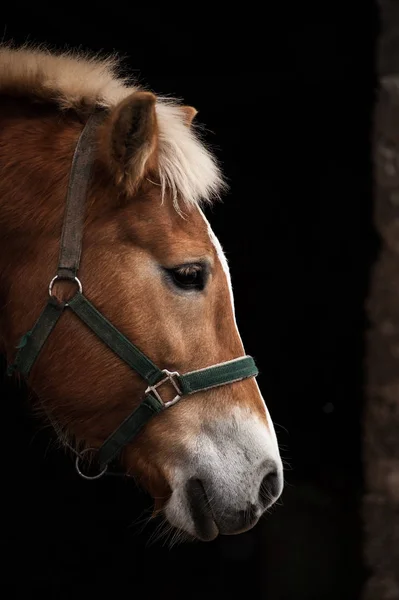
point(205, 526)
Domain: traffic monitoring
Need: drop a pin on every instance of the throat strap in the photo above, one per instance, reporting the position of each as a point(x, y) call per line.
point(31, 344)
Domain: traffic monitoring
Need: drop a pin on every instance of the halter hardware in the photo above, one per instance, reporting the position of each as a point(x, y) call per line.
point(170, 376)
point(79, 457)
point(32, 342)
point(60, 278)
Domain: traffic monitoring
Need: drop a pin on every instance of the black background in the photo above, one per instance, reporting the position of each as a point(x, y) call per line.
point(287, 100)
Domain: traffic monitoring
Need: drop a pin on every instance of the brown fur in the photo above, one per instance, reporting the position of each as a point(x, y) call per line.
point(79, 382)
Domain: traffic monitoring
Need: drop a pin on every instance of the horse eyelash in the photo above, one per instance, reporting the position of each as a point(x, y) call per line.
point(188, 269)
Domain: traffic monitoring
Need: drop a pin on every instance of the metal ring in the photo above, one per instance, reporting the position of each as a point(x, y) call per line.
point(88, 477)
point(54, 279)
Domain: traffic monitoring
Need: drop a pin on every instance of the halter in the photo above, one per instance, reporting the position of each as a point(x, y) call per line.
point(33, 341)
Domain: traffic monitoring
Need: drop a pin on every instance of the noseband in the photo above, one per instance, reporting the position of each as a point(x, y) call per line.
point(33, 341)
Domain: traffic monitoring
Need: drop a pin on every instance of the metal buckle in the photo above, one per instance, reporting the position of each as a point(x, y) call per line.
point(169, 375)
point(80, 472)
point(56, 278)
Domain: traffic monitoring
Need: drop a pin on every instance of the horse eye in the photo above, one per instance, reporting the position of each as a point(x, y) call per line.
point(190, 276)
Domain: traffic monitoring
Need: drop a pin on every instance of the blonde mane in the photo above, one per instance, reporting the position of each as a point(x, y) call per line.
point(81, 82)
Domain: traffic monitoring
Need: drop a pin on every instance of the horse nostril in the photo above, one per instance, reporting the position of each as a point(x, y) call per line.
point(200, 510)
point(269, 488)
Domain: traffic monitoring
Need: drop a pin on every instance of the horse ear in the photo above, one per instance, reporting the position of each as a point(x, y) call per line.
point(131, 136)
point(189, 112)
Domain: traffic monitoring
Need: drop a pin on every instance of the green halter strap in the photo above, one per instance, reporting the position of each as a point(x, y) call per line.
point(33, 341)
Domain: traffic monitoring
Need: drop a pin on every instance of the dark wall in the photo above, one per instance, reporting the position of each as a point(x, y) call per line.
point(288, 105)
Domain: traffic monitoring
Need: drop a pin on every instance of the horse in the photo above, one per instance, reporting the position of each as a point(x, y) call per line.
point(155, 379)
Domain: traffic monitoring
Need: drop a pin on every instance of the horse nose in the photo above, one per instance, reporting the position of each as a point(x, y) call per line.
point(209, 522)
point(235, 512)
point(236, 521)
